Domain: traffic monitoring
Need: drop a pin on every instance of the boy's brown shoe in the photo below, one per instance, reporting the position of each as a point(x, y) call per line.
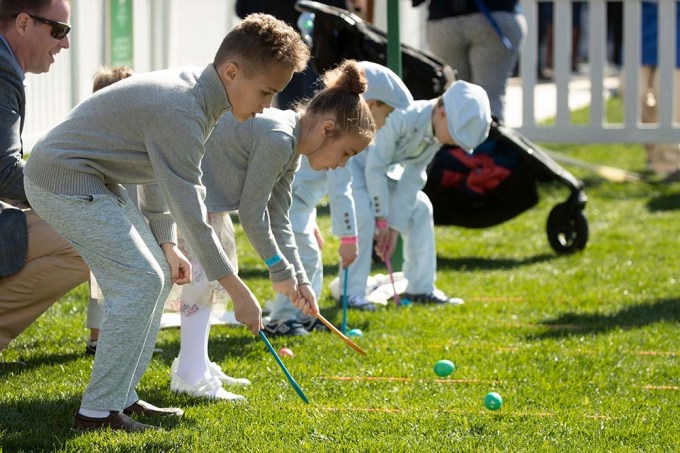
point(149, 410)
point(115, 420)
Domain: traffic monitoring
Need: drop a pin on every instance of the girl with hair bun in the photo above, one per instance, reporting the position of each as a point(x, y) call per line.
point(250, 167)
point(385, 93)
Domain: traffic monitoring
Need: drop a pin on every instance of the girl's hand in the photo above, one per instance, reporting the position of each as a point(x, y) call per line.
point(287, 287)
point(180, 267)
point(246, 307)
point(306, 300)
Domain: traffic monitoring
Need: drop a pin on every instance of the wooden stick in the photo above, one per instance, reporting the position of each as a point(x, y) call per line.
point(332, 328)
point(609, 173)
point(397, 299)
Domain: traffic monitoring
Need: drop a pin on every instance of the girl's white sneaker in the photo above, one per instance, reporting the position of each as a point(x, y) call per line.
point(210, 388)
point(215, 371)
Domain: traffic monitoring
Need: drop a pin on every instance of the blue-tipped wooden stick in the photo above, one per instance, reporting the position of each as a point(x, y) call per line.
point(344, 303)
point(294, 384)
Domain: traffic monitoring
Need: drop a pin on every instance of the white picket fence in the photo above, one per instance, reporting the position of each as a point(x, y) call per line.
point(176, 32)
point(598, 130)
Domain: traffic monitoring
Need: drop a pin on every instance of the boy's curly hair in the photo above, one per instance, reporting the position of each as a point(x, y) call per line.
point(260, 40)
point(108, 76)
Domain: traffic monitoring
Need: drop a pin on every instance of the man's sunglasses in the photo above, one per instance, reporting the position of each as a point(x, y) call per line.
point(59, 29)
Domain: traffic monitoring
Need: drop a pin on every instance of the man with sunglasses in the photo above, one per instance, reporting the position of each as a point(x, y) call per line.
point(37, 265)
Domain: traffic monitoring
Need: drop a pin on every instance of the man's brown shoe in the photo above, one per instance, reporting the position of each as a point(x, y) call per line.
point(146, 409)
point(115, 420)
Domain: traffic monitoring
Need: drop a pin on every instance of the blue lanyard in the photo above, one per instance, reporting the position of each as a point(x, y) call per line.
point(504, 39)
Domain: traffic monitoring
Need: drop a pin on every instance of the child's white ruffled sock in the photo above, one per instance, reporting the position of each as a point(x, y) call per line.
point(194, 365)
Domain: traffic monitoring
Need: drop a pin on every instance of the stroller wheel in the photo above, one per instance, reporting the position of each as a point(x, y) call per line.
point(567, 229)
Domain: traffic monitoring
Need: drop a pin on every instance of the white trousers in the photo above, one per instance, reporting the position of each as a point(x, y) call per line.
point(420, 255)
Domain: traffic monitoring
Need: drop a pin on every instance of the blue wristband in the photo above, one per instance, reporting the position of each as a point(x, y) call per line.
point(272, 260)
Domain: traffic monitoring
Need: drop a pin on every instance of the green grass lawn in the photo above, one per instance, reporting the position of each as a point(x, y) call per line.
point(583, 348)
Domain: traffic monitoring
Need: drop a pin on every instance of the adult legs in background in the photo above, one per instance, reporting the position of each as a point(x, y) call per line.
point(615, 32)
point(93, 320)
point(476, 52)
point(452, 49)
point(492, 63)
point(662, 158)
point(53, 268)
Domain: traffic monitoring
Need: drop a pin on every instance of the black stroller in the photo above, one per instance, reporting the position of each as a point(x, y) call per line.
point(494, 184)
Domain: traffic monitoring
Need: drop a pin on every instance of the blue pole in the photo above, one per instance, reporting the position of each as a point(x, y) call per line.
point(292, 382)
point(344, 302)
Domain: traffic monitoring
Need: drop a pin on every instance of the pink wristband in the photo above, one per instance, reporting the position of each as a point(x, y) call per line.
point(349, 240)
point(381, 223)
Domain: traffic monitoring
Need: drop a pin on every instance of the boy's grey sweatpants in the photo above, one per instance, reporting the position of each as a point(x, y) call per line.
point(95, 305)
point(115, 241)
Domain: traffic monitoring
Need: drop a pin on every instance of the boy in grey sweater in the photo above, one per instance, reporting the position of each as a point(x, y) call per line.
point(149, 130)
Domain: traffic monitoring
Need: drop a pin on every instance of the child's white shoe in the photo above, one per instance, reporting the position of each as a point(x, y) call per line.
point(210, 388)
point(217, 372)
